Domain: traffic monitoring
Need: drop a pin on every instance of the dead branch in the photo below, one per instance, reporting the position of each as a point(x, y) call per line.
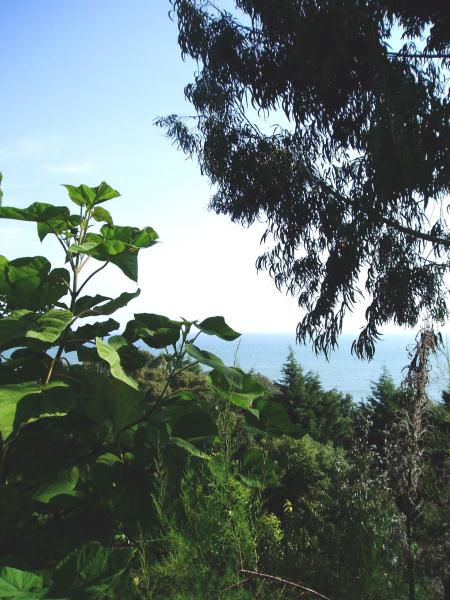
point(284, 582)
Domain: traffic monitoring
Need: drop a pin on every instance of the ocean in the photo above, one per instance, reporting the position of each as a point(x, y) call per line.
point(266, 353)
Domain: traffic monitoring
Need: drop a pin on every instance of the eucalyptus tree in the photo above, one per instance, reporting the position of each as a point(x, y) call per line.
point(328, 120)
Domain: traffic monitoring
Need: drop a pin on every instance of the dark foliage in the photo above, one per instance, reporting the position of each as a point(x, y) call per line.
point(328, 120)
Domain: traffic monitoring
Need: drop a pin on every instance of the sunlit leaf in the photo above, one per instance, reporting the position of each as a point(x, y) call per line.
point(175, 441)
point(110, 354)
point(23, 585)
point(217, 326)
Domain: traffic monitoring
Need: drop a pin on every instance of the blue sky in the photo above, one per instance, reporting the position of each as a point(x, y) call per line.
point(82, 83)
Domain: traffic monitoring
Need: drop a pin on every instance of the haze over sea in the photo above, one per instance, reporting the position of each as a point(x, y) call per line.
point(266, 353)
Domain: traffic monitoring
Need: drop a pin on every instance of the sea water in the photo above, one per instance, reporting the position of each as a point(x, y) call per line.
point(266, 353)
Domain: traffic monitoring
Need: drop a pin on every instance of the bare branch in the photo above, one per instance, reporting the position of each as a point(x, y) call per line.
point(284, 582)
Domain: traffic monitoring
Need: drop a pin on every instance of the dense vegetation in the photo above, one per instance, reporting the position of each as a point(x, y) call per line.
point(164, 474)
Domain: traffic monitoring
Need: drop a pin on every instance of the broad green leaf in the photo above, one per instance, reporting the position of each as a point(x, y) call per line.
point(89, 332)
point(204, 357)
point(108, 459)
point(273, 418)
point(23, 324)
point(56, 398)
point(83, 195)
point(217, 326)
point(104, 192)
point(112, 305)
point(101, 214)
point(117, 342)
point(29, 283)
point(118, 245)
point(157, 331)
point(92, 572)
point(86, 248)
point(49, 218)
point(64, 483)
point(231, 376)
point(50, 325)
point(127, 261)
point(10, 396)
point(108, 353)
point(85, 303)
point(132, 236)
point(15, 584)
point(242, 394)
point(190, 421)
point(109, 403)
point(15, 326)
point(175, 441)
point(87, 354)
point(59, 225)
point(37, 212)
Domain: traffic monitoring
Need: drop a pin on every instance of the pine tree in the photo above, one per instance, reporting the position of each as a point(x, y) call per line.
point(385, 400)
point(292, 372)
point(324, 415)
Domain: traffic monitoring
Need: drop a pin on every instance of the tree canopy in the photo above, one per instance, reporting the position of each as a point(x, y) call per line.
point(328, 120)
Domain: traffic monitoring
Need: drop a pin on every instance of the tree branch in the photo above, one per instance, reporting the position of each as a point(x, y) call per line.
point(284, 582)
point(443, 55)
point(417, 234)
point(422, 235)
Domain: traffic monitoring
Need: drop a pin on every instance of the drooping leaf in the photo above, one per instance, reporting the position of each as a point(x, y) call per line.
point(157, 331)
point(64, 483)
point(58, 226)
point(89, 332)
point(85, 303)
point(94, 306)
point(22, 324)
point(110, 354)
point(217, 326)
point(55, 398)
point(175, 441)
point(13, 393)
point(204, 357)
point(36, 212)
point(23, 585)
point(231, 376)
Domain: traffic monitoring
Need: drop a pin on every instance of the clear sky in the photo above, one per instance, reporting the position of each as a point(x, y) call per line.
point(82, 82)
